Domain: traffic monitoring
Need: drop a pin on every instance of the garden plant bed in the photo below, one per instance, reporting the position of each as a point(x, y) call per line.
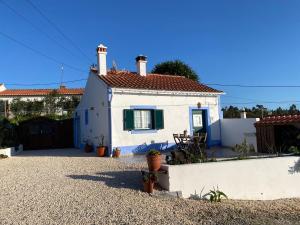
point(262, 178)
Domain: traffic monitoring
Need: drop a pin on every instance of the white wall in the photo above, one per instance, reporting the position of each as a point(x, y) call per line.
point(95, 99)
point(252, 179)
point(234, 131)
point(176, 117)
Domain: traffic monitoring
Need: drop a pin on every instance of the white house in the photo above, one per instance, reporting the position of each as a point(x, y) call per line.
point(8, 95)
point(136, 111)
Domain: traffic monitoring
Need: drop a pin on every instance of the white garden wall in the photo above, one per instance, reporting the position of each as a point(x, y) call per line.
point(252, 179)
point(234, 131)
point(11, 151)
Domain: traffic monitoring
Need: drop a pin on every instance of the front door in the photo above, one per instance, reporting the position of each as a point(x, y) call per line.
point(199, 121)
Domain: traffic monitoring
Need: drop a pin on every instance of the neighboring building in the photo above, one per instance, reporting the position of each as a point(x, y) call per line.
point(7, 95)
point(136, 111)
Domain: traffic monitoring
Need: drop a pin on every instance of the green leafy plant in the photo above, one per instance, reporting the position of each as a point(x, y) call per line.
point(153, 152)
point(215, 195)
point(2, 156)
point(149, 176)
point(295, 150)
point(244, 149)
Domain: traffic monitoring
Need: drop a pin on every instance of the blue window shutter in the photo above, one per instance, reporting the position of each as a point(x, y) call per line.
point(86, 117)
point(128, 119)
point(159, 119)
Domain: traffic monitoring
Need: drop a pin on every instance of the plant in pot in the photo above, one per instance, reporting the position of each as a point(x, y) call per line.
point(116, 152)
point(154, 160)
point(88, 147)
point(101, 148)
point(148, 181)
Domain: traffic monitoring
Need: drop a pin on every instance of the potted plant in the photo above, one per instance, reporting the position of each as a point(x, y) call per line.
point(101, 148)
point(116, 152)
point(88, 147)
point(148, 181)
point(154, 160)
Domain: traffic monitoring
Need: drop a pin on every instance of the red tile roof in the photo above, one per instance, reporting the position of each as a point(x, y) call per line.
point(41, 92)
point(279, 120)
point(125, 79)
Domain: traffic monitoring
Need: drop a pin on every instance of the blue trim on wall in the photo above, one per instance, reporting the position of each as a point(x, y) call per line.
point(220, 119)
point(142, 107)
point(109, 95)
point(215, 143)
point(191, 108)
point(148, 131)
point(144, 148)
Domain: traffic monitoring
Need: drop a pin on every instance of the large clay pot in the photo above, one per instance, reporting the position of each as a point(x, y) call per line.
point(154, 162)
point(101, 151)
point(148, 186)
point(117, 153)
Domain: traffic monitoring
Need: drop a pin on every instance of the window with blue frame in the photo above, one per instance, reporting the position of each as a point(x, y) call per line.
point(86, 117)
point(143, 119)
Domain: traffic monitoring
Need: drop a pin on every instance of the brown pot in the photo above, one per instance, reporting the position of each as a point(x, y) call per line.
point(154, 162)
point(148, 186)
point(88, 148)
point(117, 153)
point(101, 151)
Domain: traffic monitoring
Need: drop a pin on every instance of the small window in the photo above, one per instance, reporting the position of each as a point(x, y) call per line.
point(86, 117)
point(142, 119)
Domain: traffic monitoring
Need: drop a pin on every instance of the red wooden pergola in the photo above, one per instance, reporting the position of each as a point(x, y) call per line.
point(265, 130)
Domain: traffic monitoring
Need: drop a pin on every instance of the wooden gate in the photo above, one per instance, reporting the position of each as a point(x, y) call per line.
point(45, 133)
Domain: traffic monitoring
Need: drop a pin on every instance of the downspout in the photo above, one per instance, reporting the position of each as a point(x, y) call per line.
point(109, 95)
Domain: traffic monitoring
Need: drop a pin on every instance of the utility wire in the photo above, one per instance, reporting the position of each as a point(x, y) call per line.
point(40, 53)
point(58, 29)
point(253, 86)
point(37, 28)
point(45, 84)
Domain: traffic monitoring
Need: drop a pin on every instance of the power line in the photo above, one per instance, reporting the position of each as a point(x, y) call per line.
point(37, 28)
point(40, 53)
point(253, 86)
point(57, 29)
point(260, 102)
point(45, 84)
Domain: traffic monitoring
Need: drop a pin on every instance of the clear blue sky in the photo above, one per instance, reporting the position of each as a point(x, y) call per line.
point(227, 41)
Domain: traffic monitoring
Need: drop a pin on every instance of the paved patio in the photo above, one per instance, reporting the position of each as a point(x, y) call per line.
point(68, 186)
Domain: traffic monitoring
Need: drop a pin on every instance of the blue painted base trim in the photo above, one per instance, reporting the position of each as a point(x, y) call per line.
point(215, 143)
point(143, 131)
point(143, 148)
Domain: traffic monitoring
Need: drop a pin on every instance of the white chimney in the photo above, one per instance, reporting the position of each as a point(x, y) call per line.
point(243, 114)
point(2, 87)
point(141, 65)
point(101, 57)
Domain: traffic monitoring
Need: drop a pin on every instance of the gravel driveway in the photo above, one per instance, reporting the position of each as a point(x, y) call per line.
point(71, 187)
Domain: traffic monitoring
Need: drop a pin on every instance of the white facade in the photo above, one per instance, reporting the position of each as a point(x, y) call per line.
point(252, 179)
point(94, 105)
point(105, 107)
point(235, 131)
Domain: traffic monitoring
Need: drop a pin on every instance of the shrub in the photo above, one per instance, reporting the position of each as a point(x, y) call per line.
point(215, 195)
point(153, 152)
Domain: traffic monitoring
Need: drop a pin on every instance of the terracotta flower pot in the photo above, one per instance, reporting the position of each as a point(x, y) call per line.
point(117, 153)
point(154, 162)
point(101, 151)
point(148, 186)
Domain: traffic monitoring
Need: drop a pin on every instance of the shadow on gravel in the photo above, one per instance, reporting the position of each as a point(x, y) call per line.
point(117, 179)
point(63, 152)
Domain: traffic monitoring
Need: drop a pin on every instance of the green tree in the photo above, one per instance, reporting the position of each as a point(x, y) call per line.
point(175, 67)
point(51, 102)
